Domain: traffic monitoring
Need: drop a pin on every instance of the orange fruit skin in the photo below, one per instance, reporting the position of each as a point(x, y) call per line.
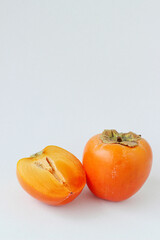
point(115, 172)
point(42, 185)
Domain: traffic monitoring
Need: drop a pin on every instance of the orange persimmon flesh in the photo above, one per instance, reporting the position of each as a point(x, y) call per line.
point(54, 175)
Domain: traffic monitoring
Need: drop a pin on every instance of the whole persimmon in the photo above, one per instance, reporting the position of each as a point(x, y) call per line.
point(53, 175)
point(116, 164)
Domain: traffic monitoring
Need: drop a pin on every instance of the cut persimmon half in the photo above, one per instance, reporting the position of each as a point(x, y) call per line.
point(53, 175)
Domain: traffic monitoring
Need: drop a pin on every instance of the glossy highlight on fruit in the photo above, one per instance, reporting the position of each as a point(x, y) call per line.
point(53, 175)
point(116, 164)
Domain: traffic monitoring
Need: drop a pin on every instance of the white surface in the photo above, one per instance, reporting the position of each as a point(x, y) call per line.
point(69, 69)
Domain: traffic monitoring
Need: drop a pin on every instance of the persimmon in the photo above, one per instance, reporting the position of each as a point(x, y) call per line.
point(53, 175)
point(116, 164)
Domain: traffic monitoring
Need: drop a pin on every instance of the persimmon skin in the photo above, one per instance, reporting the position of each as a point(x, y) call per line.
point(115, 172)
point(43, 185)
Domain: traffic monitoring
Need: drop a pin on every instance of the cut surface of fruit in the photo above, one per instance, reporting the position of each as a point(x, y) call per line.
point(54, 176)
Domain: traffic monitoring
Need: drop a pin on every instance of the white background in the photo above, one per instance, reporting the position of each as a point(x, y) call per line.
point(69, 69)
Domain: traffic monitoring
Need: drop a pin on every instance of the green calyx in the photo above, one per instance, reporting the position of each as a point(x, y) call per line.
point(37, 154)
point(129, 139)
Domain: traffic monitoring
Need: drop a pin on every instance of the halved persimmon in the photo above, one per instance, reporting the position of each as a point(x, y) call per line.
point(116, 164)
point(53, 175)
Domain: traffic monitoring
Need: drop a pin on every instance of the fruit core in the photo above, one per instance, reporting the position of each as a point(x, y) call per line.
point(48, 164)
